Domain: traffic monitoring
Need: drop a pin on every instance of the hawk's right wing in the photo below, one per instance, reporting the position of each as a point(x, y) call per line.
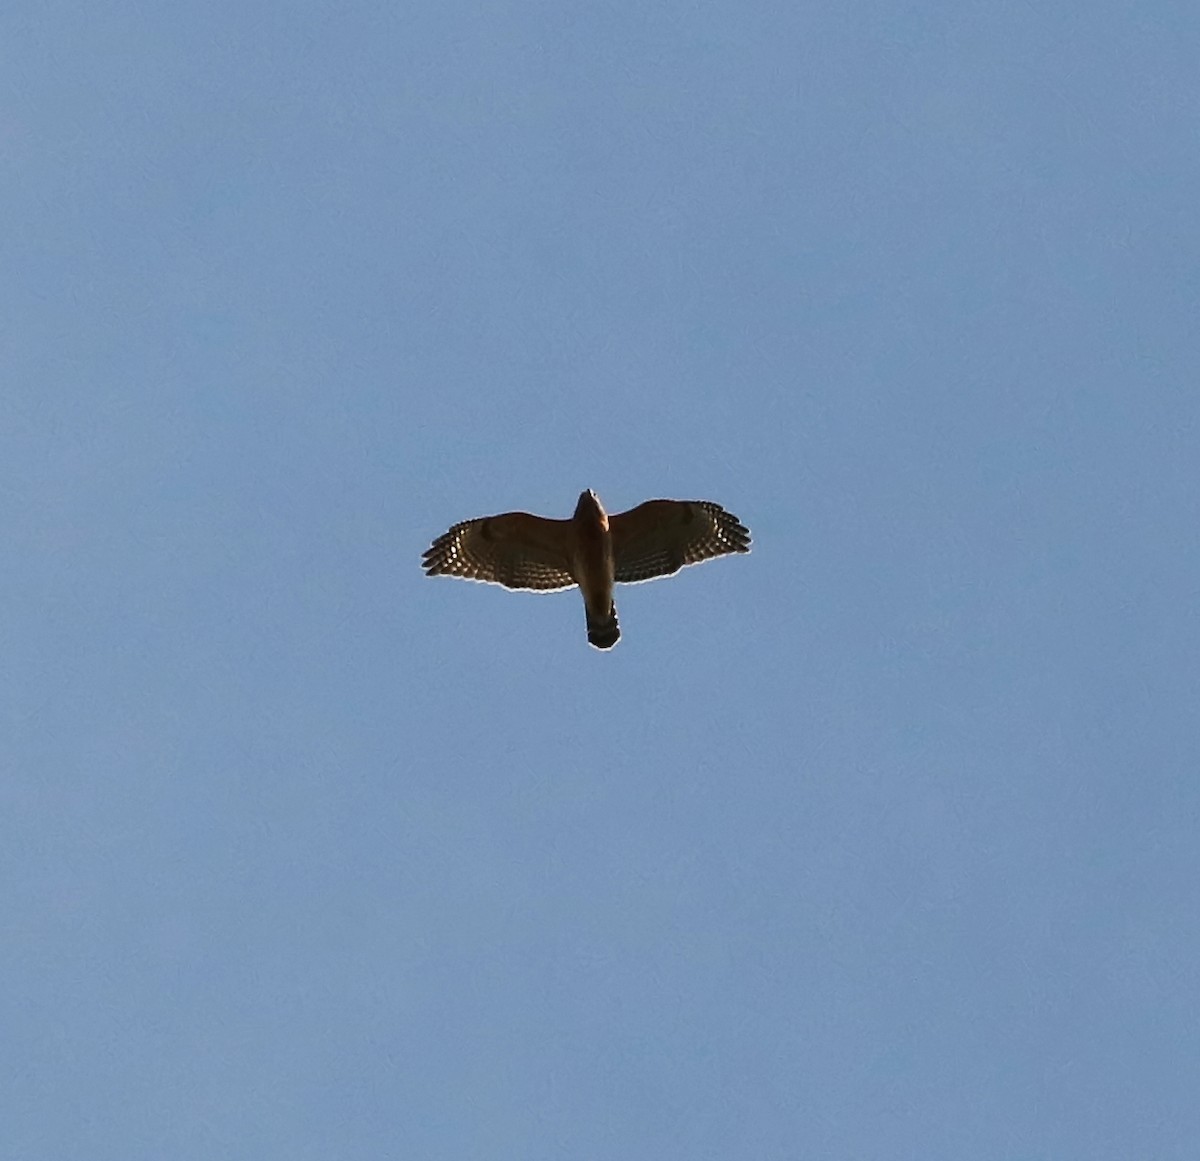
point(516, 550)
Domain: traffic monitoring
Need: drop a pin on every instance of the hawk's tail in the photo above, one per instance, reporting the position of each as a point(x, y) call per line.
point(603, 632)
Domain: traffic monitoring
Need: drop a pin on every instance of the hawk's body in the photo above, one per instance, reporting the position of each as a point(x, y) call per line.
point(591, 550)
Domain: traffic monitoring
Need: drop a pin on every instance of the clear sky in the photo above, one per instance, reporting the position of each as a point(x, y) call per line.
point(878, 843)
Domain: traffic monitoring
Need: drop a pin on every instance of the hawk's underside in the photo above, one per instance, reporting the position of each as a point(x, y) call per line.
point(592, 550)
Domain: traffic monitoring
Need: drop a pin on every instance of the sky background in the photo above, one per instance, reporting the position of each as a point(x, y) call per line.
point(878, 843)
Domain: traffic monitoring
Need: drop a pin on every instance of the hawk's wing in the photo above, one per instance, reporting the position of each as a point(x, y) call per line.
point(516, 550)
point(659, 537)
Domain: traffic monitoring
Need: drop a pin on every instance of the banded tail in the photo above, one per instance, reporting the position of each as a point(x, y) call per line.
point(603, 632)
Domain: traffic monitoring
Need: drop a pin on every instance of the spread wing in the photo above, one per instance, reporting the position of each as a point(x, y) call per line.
point(659, 537)
point(516, 550)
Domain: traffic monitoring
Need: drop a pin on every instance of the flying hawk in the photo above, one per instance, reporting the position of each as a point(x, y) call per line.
point(592, 550)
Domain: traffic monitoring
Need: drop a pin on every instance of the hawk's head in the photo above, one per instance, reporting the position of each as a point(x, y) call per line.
point(589, 506)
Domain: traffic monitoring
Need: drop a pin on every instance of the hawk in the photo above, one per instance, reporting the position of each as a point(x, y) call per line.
point(592, 550)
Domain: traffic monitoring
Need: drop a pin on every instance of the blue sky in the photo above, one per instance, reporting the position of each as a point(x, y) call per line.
point(877, 843)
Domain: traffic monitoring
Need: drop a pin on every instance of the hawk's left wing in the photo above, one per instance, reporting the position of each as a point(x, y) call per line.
point(659, 537)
